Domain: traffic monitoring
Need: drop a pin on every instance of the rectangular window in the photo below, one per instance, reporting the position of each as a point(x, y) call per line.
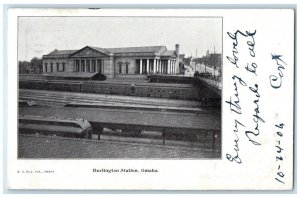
point(137, 66)
point(144, 69)
point(82, 65)
point(93, 66)
point(62, 67)
point(100, 65)
point(88, 66)
point(51, 67)
point(45, 66)
point(57, 66)
point(77, 65)
point(126, 69)
point(151, 62)
point(120, 67)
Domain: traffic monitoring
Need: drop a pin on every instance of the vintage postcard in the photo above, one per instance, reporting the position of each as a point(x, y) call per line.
point(150, 99)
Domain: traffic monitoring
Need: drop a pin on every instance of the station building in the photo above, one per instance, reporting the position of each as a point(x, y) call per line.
point(127, 62)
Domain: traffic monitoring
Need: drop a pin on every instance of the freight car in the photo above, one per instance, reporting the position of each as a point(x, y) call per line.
point(65, 127)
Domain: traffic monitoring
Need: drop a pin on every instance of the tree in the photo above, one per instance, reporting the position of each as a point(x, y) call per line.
point(24, 67)
point(36, 64)
point(187, 61)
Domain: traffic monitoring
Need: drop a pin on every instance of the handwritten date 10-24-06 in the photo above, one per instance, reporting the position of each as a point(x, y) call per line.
point(279, 156)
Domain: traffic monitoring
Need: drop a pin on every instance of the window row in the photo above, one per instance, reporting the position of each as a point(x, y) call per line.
point(49, 67)
point(126, 64)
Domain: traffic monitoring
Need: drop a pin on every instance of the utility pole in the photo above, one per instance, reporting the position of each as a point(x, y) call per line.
point(214, 61)
point(26, 45)
point(66, 35)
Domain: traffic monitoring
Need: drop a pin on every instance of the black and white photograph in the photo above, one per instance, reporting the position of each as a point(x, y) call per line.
point(150, 99)
point(119, 87)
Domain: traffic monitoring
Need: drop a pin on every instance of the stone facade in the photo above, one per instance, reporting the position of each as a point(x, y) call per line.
point(112, 62)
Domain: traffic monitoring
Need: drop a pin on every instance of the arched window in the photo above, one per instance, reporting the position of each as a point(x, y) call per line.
point(63, 67)
point(45, 66)
point(120, 67)
point(57, 66)
point(51, 67)
point(127, 65)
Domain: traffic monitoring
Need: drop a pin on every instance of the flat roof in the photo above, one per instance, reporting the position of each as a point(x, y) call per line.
point(70, 74)
point(117, 51)
point(39, 147)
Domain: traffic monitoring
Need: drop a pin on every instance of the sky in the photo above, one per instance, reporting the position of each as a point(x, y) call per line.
point(38, 36)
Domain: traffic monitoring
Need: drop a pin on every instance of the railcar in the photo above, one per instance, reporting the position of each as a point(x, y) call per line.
point(65, 127)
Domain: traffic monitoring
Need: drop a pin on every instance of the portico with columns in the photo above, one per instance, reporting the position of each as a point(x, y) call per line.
point(155, 66)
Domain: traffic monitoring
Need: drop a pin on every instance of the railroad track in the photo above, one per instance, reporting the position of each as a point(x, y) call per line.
point(107, 82)
point(147, 90)
point(52, 98)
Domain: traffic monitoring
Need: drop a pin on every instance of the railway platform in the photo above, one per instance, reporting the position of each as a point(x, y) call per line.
point(205, 123)
point(40, 147)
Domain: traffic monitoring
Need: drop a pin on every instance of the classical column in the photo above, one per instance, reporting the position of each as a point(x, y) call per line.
point(147, 70)
point(86, 65)
point(141, 66)
point(169, 67)
point(154, 66)
point(173, 71)
point(111, 65)
point(172, 66)
point(90, 65)
point(159, 66)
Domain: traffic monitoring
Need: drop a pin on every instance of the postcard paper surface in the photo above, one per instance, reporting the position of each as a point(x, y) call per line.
point(150, 99)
